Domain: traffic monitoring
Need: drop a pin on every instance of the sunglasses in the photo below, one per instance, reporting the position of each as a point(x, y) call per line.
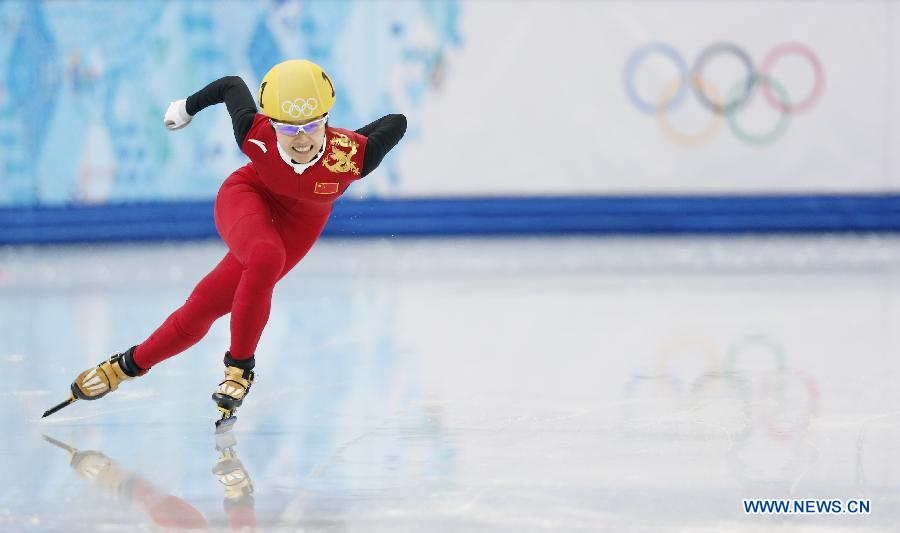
point(295, 129)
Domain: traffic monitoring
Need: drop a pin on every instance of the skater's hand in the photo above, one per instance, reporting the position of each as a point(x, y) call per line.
point(177, 116)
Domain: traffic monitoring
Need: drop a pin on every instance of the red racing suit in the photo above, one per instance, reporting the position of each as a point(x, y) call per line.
point(269, 216)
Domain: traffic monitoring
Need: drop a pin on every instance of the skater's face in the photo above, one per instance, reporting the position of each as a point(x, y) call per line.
point(303, 146)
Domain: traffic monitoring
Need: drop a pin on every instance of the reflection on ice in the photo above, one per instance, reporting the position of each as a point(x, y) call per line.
point(139, 502)
point(229, 470)
point(130, 491)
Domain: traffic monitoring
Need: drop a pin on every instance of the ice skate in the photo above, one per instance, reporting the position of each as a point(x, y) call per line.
point(230, 394)
point(98, 381)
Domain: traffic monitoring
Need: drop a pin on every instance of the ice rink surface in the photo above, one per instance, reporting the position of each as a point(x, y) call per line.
point(584, 384)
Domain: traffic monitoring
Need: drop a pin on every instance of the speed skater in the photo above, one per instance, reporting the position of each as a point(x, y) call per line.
point(269, 213)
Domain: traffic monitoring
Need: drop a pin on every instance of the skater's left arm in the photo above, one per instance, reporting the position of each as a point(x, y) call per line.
point(382, 135)
point(234, 92)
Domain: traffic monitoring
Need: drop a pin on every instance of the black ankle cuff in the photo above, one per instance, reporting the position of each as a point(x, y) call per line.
point(128, 365)
point(243, 364)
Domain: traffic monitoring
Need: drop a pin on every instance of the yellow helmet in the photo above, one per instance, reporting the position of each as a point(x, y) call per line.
point(295, 90)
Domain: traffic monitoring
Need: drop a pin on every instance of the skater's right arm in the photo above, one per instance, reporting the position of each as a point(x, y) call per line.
point(234, 92)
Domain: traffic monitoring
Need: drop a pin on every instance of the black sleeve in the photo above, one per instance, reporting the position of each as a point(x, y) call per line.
point(382, 135)
point(234, 92)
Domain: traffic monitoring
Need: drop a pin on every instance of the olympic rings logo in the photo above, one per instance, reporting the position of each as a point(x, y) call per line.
point(300, 107)
point(672, 94)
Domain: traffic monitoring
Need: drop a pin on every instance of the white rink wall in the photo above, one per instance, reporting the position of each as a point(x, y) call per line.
point(546, 81)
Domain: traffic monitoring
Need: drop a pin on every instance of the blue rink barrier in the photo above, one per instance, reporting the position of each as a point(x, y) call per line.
point(477, 216)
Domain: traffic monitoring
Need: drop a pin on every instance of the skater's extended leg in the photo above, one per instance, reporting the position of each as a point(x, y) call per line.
point(210, 299)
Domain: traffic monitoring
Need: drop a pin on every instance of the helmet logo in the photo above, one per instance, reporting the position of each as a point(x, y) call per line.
point(300, 107)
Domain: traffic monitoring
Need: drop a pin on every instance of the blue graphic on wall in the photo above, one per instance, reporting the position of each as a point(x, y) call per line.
point(83, 87)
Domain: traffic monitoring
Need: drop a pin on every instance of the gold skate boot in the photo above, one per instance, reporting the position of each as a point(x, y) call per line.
point(97, 382)
point(232, 390)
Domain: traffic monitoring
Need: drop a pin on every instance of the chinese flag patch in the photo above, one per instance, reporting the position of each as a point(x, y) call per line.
point(325, 188)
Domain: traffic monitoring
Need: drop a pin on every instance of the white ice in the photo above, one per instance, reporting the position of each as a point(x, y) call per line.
point(583, 384)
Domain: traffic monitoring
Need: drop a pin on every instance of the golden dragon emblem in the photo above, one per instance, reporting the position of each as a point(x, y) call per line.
point(339, 160)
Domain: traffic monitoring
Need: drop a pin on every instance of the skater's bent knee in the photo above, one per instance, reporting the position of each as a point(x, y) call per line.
point(266, 259)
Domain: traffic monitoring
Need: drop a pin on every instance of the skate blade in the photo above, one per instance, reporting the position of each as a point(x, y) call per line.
point(72, 399)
